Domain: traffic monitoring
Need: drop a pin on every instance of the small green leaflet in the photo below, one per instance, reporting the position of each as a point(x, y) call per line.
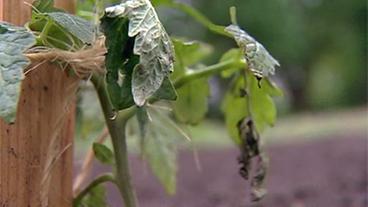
point(96, 197)
point(259, 60)
point(152, 44)
point(235, 108)
point(61, 30)
point(159, 147)
point(103, 153)
point(192, 104)
point(80, 28)
point(247, 99)
point(232, 54)
point(14, 41)
point(261, 104)
point(188, 54)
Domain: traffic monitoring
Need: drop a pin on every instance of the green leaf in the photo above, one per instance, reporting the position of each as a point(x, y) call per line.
point(80, 28)
point(120, 61)
point(191, 106)
point(152, 44)
point(259, 60)
point(44, 6)
point(159, 148)
point(61, 30)
point(14, 41)
point(252, 95)
point(103, 153)
point(96, 197)
point(161, 2)
point(235, 108)
point(192, 52)
point(232, 54)
point(166, 91)
point(271, 88)
point(262, 107)
point(188, 54)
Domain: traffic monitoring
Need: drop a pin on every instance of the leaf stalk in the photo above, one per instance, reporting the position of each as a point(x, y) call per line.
point(99, 180)
point(208, 71)
point(200, 18)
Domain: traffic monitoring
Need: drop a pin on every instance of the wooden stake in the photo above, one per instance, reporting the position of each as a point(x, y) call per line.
point(36, 152)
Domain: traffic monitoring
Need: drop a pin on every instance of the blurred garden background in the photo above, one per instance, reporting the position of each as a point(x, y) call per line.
point(318, 147)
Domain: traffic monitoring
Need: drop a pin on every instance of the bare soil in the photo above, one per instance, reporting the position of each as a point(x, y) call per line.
point(326, 173)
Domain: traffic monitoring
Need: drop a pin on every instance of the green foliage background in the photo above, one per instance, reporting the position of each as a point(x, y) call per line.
point(320, 44)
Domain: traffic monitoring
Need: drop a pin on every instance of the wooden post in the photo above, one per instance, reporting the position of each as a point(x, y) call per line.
point(36, 151)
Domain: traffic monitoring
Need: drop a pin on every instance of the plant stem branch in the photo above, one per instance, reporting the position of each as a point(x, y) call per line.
point(116, 126)
point(208, 71)
point(100, 179)
point(88, 164)
point(200, 18)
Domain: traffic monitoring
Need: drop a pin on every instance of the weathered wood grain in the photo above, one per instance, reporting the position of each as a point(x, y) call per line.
point(36, 152)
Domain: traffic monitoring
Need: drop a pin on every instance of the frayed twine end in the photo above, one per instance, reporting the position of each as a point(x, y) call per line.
point(84, 62)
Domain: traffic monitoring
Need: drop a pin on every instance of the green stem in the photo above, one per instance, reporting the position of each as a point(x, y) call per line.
point(99, 180)
point(200, 18)
point(233, 15)
point(45, 33)
point(247, 85)
point(208, 71)
point(116, 126)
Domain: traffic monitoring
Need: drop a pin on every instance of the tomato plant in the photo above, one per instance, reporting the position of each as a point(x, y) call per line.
point(137, 70)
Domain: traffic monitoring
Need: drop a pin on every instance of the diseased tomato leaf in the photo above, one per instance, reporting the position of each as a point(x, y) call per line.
point(259, 60)
point(251, 149)
point(152, 45)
